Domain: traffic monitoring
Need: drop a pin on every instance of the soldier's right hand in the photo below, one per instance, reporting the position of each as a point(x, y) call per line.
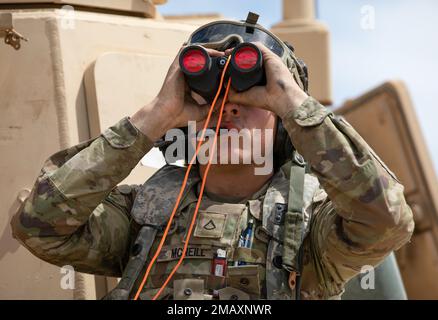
point(173, 106)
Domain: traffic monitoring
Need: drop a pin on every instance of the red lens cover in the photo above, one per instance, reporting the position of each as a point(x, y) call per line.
point(194, 60)
point(246, 57)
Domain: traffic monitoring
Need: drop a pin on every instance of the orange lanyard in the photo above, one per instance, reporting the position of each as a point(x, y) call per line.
point(178, 200)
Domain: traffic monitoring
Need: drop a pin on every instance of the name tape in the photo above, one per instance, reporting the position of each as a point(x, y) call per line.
point(174, 253)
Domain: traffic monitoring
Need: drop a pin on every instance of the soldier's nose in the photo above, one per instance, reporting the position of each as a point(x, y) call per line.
point(231, 111)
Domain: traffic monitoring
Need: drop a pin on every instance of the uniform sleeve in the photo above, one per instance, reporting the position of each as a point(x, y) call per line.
point(365, 216)
point(75, 214)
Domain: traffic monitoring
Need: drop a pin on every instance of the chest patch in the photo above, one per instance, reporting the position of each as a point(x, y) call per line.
point(210, 225)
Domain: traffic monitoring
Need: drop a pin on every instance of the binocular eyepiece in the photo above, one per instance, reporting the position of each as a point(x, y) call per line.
point(203, 72)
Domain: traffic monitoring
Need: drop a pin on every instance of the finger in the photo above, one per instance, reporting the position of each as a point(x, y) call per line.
point(212, 123)
point(228, 51)
point(254, 97)
point(192, 111)
point(196, 112)
point(198, 98)
point(214, 53)
point(274, 65)
point(194, 100)
point(263, 48)
point(174, 80)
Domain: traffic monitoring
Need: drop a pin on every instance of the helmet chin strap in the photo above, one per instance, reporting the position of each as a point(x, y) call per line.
point(226, 43)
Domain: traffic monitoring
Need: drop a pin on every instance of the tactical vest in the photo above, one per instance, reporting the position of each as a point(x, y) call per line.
point(282, 218)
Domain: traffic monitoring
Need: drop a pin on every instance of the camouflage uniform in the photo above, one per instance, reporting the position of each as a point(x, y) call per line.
point(77, 215)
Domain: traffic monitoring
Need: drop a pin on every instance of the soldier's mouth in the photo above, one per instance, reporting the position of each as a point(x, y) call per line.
point(223, 129)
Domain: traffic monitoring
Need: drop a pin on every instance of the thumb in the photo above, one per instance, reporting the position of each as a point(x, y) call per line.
point(201, 112)
point(195, 111)
point(254, 97)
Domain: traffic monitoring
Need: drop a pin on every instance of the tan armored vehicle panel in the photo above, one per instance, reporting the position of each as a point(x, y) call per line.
point(311, 40)
point(116, 84)
point(386, 119)
point(195, 19)
point(138, 7)
point(45, 108)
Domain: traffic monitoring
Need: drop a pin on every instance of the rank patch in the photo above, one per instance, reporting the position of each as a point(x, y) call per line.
point(210, 225)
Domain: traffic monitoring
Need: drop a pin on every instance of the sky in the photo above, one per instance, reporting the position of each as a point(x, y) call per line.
point(401, 45)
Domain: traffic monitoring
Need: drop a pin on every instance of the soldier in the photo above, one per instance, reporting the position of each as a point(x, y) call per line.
point(311, 228)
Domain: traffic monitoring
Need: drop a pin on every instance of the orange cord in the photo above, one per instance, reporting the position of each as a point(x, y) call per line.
point(178, 200)
point(204, 179)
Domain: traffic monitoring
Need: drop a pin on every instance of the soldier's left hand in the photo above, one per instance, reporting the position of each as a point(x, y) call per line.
point(281, 92)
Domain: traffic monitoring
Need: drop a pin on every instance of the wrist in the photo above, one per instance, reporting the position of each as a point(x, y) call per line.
point(290, 101)
point(149, 121)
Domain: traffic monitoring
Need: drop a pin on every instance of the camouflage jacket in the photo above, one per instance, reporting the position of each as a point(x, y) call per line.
point(77, 215)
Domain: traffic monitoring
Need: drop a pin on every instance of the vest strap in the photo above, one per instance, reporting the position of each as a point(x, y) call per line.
point(135, 265)
point(294, 228)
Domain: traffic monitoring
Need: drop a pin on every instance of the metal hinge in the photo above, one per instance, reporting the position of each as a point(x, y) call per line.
point(7, 31)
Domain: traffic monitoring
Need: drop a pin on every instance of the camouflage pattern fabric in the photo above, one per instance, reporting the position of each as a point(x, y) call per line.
point(77, 215)
point(364, 216)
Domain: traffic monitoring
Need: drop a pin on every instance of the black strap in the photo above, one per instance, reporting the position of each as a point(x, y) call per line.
point(136, 263)
point(252, 18)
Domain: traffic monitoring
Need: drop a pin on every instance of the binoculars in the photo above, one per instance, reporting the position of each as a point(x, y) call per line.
point(203, 72)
